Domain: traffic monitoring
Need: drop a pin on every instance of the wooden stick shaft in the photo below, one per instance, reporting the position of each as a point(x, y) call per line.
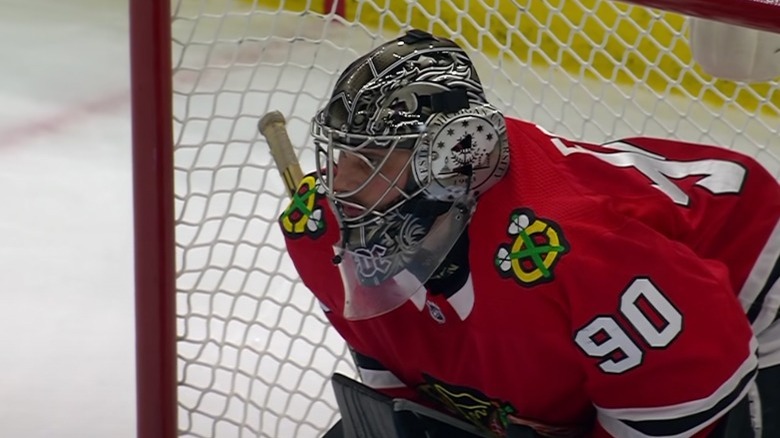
point(274, 128)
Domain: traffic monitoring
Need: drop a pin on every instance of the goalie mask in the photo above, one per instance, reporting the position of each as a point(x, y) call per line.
point(410, 123)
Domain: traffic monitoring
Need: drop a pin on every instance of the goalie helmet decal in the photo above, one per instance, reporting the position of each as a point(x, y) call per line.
point(395, 98)
point(466, 153)
point(415, 93)
point(418, 97)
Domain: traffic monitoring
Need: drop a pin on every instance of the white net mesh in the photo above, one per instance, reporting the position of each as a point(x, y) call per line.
point(255, 352)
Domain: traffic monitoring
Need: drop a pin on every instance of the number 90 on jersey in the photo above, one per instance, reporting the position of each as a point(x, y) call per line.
point(653, 317)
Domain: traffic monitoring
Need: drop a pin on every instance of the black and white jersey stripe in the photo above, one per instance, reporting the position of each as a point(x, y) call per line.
point(374, 374)
point(760, 295)
point(769, 346)
point(684, 419)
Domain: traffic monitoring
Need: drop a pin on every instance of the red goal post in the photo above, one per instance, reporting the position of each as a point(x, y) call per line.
point(167, 289)
point(758, 14)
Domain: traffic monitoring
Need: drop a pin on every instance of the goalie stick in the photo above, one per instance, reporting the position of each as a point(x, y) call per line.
point(273, 126)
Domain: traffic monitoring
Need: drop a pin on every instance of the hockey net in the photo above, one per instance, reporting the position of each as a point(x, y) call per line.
point(230, 343)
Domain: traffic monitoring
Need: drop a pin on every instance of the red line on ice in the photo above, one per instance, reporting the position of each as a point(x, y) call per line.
point(52, 124)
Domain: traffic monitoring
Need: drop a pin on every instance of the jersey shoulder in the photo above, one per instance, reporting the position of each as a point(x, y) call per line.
point(310, 231)
point(655, 330)
point(308, 213)
point(662, 340)
point(662, 336)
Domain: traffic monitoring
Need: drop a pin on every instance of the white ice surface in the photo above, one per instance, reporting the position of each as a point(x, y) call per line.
point(66, 284)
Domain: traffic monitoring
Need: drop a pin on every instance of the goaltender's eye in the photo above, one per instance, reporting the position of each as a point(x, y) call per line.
point(365, 157)
point(375, 158)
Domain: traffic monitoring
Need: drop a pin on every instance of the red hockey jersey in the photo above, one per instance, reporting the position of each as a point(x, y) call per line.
point(607, 296)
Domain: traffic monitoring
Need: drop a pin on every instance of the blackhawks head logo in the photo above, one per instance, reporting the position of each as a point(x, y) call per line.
point(491, 414)
point(537, 246)
point(469, 404)
point(303, 216)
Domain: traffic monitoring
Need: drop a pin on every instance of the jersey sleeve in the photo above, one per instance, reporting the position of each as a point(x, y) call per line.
point(665, 345)
point(311, 231)
point(375, 375)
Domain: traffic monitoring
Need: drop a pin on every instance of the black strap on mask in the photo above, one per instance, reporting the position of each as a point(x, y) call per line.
point(446, 102)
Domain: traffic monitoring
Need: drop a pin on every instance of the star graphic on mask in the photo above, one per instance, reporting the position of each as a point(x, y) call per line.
point(465, 123)
point(480, 128)
point(450, 132)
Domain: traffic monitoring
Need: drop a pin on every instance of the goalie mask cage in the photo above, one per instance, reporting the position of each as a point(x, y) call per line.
point(229, 342)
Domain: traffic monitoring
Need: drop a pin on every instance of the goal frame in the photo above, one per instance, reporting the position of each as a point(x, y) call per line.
point(757, 14)
point(154, 230)
point(153, 191)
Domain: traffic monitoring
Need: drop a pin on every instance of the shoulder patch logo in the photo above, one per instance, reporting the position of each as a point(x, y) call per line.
point(537, 246)
point(304, 216)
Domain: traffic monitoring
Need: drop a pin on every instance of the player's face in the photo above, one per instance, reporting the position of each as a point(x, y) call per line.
point(375, 176)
